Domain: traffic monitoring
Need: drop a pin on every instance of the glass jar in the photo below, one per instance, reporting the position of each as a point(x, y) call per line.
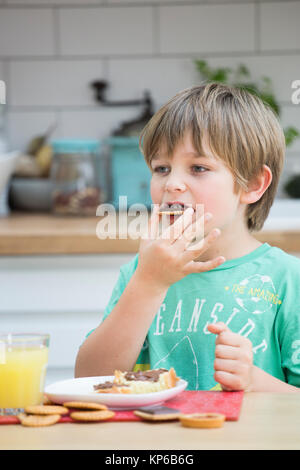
point(76, 189)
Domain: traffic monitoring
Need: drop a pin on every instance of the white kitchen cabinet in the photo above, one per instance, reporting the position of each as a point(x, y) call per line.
point(61, 295)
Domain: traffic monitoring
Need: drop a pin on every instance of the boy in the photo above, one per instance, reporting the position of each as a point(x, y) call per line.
point(229, 311)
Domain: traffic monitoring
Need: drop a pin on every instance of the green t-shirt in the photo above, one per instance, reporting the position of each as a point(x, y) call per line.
point(256, 295)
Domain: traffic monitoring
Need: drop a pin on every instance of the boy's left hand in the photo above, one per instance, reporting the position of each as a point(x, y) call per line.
point(233, 358)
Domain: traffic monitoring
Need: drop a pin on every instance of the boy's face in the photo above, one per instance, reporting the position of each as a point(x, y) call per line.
point(193, 179)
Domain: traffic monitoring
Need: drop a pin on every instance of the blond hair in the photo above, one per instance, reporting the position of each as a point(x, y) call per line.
point(239, 127)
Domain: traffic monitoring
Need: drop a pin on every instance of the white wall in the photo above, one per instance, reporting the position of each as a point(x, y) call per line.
point(51, 50)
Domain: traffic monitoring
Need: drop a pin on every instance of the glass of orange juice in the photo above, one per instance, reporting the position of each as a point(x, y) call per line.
point(23, 364)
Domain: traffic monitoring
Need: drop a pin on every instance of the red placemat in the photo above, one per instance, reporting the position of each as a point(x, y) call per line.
point(227, 403)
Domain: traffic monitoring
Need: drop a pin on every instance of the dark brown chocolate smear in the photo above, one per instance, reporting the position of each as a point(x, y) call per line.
point(145, 375)
point(141, 375)
point(107, 385)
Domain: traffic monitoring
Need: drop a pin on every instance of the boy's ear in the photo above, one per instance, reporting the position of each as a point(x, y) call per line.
point(257, 186)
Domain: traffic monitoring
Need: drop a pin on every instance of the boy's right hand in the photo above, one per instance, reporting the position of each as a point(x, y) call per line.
point(164, 259)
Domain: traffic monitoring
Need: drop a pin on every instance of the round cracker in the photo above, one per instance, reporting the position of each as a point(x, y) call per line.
point(80, 405)
point(159, 417)
point(38, 420)
point(89, 416)
point(170, 212)
point(46, 410)
point(202, 420)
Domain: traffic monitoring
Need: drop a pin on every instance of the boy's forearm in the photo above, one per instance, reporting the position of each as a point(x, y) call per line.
point(264, 382)
point(116, 343)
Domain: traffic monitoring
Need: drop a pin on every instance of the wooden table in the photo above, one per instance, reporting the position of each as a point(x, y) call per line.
point(267, 421)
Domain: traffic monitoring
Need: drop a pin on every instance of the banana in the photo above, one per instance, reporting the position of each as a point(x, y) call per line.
point(44, 159)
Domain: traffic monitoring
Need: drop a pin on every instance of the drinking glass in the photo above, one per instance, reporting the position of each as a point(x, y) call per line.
point(23, 364)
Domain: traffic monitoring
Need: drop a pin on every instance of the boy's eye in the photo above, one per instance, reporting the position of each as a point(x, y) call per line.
point(165, 169)
point(198, 169)
point(160, 169)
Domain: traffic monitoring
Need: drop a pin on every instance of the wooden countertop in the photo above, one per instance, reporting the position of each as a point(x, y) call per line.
point(267, 421)
point(36, 234)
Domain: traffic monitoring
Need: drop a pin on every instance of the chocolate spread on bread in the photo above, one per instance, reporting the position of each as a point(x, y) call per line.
point(145, 375)
point(107, 385)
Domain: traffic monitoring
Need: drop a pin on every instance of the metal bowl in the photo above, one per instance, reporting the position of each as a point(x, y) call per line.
point(31, 194)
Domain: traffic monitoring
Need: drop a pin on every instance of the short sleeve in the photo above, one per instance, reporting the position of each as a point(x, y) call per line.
point(117, 291)
point(287, 327)
point(290, 351)
point(124, 277)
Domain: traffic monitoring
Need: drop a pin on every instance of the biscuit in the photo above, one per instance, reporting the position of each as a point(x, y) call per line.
point(157, 417)
point(38, 420)
point(176, 208)
point(46, 410)
point(90, 416)
point(202, 420)
point(84, 405)
point(170, 212)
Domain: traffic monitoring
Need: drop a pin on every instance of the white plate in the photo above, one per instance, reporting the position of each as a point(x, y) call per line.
point(81, 389)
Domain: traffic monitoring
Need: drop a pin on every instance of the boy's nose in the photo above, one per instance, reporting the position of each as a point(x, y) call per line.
point(175, 184)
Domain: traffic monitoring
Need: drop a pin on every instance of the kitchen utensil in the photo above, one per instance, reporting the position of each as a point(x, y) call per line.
point(31, 194)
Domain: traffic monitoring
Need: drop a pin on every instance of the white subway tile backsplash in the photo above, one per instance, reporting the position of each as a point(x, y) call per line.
point(280, 26)
point(162, 77)
point(95, 123)
point(23, 125)
point(142, 2)
point(207, 28)
point(155, 2)
point(104, 31)
point(165, 76)
point(50, 51)
point(282, 70)
point(2, 71)
point(291, 117)
point(26, 32)
point(53, 83)
point(54, 2)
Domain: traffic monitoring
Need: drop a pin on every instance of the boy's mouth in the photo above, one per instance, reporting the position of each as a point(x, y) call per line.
point(173, 208)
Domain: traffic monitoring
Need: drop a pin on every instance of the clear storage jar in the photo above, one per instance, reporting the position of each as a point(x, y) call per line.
point(76, 189)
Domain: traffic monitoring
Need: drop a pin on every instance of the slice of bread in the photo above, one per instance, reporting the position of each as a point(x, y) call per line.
point(148, 381)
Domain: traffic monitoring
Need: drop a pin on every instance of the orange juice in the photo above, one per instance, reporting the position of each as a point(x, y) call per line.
point(22, 374)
